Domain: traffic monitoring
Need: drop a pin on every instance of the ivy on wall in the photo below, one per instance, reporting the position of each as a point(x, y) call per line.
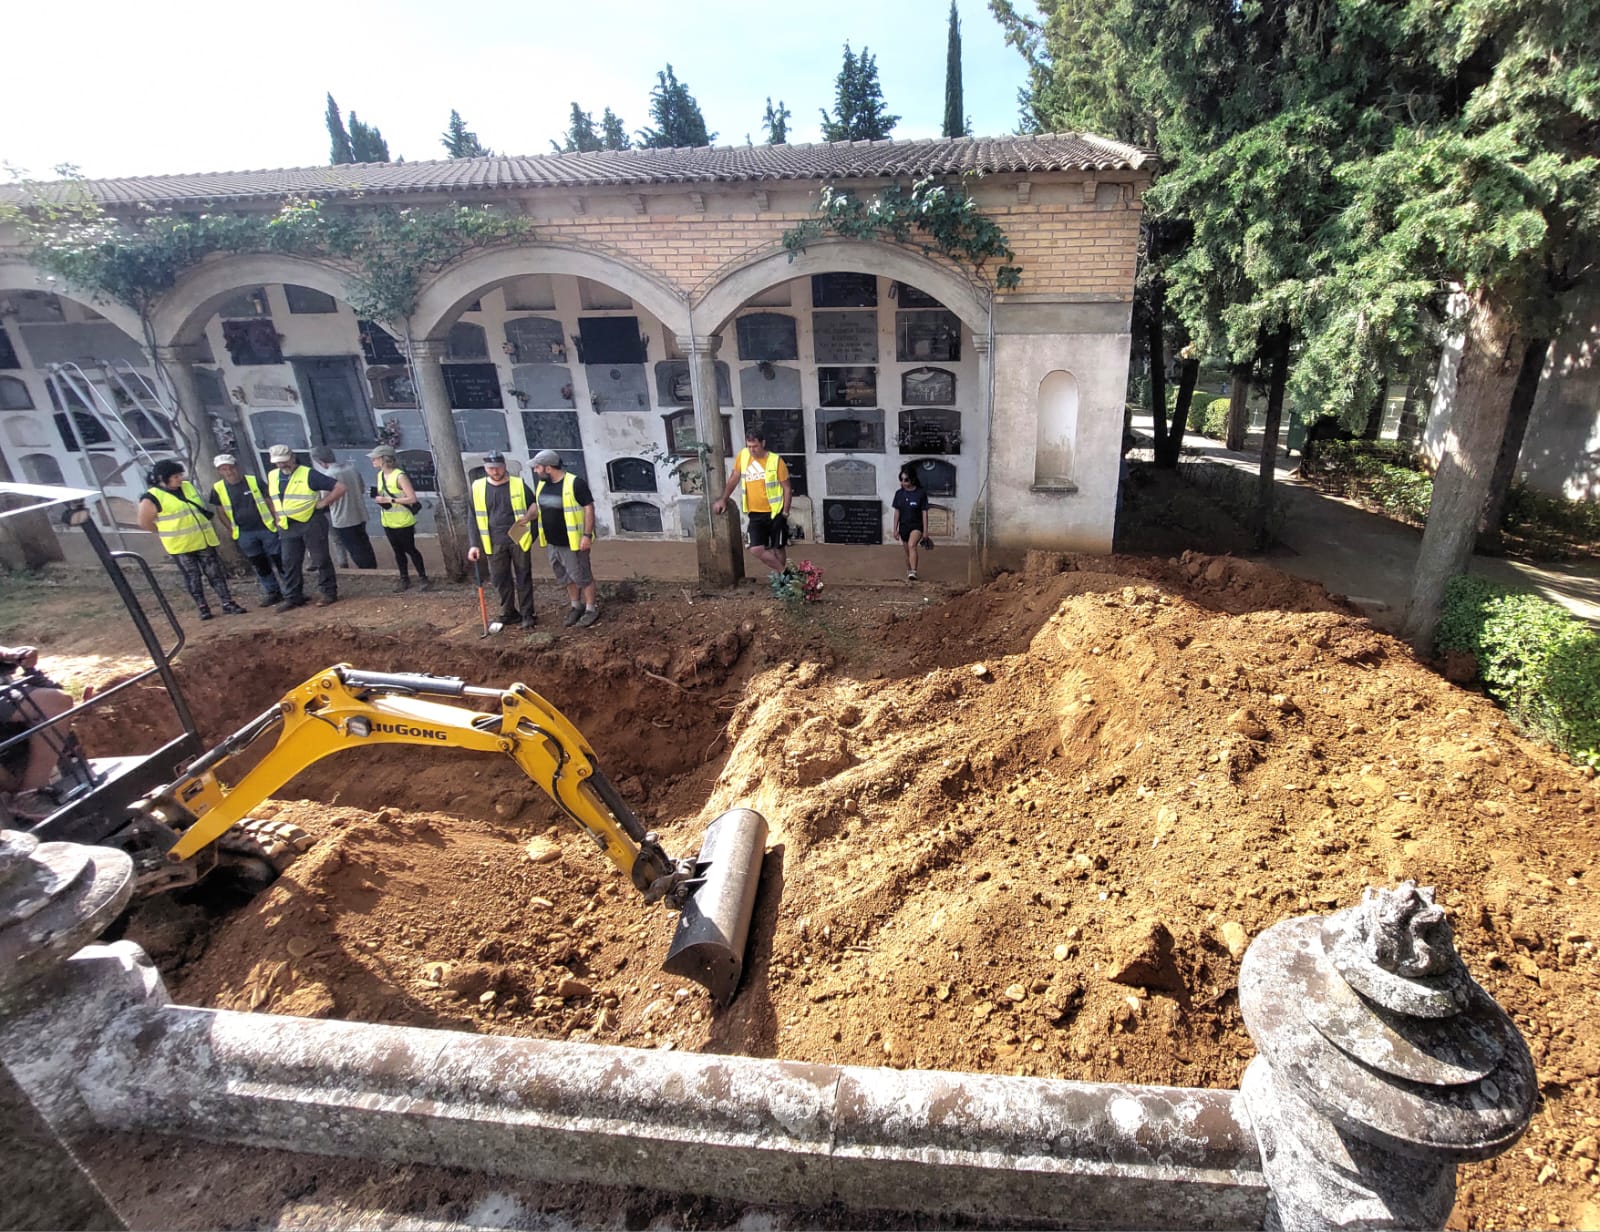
point(932, 216)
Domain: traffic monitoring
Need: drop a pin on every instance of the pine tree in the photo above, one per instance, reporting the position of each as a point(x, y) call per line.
point(613, 136)
point(340, 151)
point(859, 113)
point(955, 121)
point(366, 142)
point(677, 116)
point(777, 123)
point(460, 143)
point(581, 136)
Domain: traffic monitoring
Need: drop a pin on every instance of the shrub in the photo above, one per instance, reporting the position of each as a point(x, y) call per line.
point(1536, 659)
point(1215, 423)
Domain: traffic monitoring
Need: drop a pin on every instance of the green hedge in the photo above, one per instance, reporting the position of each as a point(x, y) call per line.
point(1215, 423)
point(1383, 472)
point(1536, 659)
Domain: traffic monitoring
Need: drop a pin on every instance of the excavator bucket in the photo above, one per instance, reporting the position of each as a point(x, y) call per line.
point(714, 926)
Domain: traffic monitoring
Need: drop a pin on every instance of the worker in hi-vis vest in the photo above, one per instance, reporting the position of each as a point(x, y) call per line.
point(766, 499)
point(172, 509)
point(499, 500)
point(300, 499)
point(565, 509)
point(247, 515)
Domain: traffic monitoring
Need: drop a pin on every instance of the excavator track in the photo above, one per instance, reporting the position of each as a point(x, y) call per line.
point(278, 843)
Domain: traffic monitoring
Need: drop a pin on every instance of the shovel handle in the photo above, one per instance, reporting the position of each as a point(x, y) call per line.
point(483, 604)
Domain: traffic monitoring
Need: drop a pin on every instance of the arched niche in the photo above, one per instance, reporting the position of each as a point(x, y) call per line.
point(14, 395)
point(631, 475)
point(1056, 414)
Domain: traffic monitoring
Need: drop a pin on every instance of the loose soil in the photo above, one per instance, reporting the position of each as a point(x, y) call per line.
point(981, 806)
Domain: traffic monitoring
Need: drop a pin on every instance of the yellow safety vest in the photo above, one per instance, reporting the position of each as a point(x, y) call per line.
point(394, 515)
point(774, 488)
point(182, 527)
point(519, 506)
point(296, 502)
point(226, 501)
point(569, 507)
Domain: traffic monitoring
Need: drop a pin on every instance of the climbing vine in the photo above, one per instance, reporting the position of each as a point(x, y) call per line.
point(935, 217)
point(389, 250)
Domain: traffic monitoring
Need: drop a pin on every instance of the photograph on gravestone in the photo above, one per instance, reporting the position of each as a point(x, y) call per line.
point(844, 337)
point(556, 430)
point(631, 475)
point(769, 385)
point(847, 429)
point(252, 342)
point(929, 431)
point(908, 296)
point(766, 336)
point(610, 340)
point(847, 386)
point(481, 431)
point(851, 478)
point(418, 466)
point(547, 386)
point(796, 462)
point(617, 387)
point(938, 478)
point(852, 521)
point(784, 427)
point(473, 387)
point(378, 344)
point(928, 387)
point(675, 387)
point(927, 335)
point(844, 290)
point(638, 518)
point(536, 340)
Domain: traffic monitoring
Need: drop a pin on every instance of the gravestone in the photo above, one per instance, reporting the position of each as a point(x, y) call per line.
point(610, 340)
point(908, 296)
point(467, 341)
point(412, 433)
point(631, 475)
point(938, 478)
point(419, 468)
point(682, 433)
point(556, 430)
point(391, 386)
point(546, 385)
point(378, 344)
point(851, 478)
point(850, 429)
point(536, 340)
point(928, 387)
point(784, 428)
point(769, 385)
point(618, 387)
point(844, 337)
point(852, 521)
point(927, 336)
point(638, 518)
point(847, 386)
point(939, 522)
point(481, 431)
point(798, 485)
point(844, 290)
point(767, 336)
point(308, 299)
point(929, 431)
point(473, 387)
point(271, 428)
point(674, 387)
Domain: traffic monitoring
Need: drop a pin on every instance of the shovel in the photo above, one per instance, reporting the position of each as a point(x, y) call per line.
point(483, 604)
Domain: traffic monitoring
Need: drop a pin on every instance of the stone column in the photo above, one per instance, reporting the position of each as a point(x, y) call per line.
point(177, 364)
point(427, 356)
point(718, 548)
point(978, 525)
point(1381, 1065)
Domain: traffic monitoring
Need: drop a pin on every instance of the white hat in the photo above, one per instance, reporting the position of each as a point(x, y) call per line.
point(281, 453)
point(224, 459)
point(547, 457)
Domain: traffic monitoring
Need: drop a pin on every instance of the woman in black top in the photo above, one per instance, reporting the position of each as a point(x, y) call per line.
point(910, 502)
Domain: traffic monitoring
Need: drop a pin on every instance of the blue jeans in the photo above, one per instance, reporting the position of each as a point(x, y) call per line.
point(260, 548)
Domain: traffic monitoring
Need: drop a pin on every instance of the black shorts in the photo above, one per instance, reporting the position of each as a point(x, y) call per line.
point(907, 531)
point(768, 530)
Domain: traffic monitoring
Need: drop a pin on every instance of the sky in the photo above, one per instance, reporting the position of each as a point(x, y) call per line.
point(181, 86)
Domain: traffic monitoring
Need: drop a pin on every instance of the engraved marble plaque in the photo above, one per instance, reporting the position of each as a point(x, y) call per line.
point(638, 518)
point(279, 428)
point(929, 431)
point(618, 387)
point(378, 344)
point(767, 336)
point(610, 340)
point(938, 478)
point(927, 336)
point(473, 387)
point(939, 522)
point(844, 290)
point(785, 429)
point(412, 433)
point(845, 337)
point(674, 387)
point(849, 430)
point(556, 430)
point(769, 385)
point(928, 387)
point(851, 478)
point(852, 521)
point(798, 484)
point(908, 296)
point(468, 341)
point(538, 340)
point(481, 431)
point(847, 386)
point(546, 385)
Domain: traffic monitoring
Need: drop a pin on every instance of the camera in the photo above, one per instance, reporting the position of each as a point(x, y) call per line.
point(372, 492)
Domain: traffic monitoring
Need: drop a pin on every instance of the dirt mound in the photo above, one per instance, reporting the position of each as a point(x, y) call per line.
point(1029, 832)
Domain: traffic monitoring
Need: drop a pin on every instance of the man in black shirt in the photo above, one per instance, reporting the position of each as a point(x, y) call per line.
point(247, 515)
point(499, 501)
point(566, 532)
point(300, 499)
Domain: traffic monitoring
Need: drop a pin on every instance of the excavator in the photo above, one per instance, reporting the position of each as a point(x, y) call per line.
point(182, 812)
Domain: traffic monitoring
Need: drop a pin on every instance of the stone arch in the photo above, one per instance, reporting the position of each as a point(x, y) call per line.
point(24, 276)
point(734, 288)
point(444, 297)
point(180, 316)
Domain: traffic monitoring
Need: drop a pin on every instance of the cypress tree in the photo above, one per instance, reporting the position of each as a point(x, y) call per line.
point(859, 113)
point(612, 134)
point(955, 120)
point(339, 151)
point(366, 142)
point(460, 143)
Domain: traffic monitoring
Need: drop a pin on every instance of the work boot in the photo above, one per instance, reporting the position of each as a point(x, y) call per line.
point(205, 613)
point(424, 585)
point(590, 615)
point(402, 584)
point(271, 601)
point(289, 605)
point(325, 600)
point(233, 609)
point(529, 620)
point(573, 612)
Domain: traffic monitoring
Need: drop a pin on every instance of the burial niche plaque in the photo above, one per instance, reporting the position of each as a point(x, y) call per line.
point(845, 337)
point(556, 430)
point(927, 335)
point(928, 387)
point(767, 336)
point(938, 478)
point(618, 387)
point(844, 290)
point(542, 385)
point(769, 385)
point(847, 386)
point(481, 431)
point(675, 388)
point(473, 387)
point(536, 340)
point(852, 478)
point(930, 431)
point(852, 521)
point(849, 429)
point(610, 340)
point(908, 296)
point(785, 429)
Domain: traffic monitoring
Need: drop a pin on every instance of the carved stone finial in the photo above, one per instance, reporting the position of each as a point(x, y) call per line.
point(1406, 932)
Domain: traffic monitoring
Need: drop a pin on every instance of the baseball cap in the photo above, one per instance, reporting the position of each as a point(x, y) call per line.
point(547, 457)
point(224, 459)
point(281, 453)
point(383, 451)
point(496, 458)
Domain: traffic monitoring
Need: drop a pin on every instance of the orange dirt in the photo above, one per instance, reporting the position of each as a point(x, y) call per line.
point(979, 808)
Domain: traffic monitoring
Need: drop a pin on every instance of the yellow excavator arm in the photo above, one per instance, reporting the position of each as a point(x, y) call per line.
point(342, 708)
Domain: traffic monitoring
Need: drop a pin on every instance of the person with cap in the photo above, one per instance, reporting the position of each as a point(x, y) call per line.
point(499, 501)
point(247, 515)
point(300, 499)
point(566, 532)
point(766, 499)
point(397, 500)
point(172, 509)
point(347, 515)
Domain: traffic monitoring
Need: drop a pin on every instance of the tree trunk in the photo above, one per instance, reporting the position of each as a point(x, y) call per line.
point(1505, 467)
point(1491, 360)
point(26, 539)
point(1277, 358)
point(1373, 428)
point(1239, 406)
point(1156, 345)
point(1167, 452)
